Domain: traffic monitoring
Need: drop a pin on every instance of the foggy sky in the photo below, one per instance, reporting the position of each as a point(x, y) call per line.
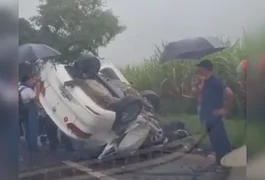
point(149, 22)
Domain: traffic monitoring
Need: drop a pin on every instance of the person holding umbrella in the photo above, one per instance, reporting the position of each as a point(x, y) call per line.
point(215, 103)
point(29, 54)
point(30, 103)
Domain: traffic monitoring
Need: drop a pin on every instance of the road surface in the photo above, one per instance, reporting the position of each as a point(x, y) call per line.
point(173, 166)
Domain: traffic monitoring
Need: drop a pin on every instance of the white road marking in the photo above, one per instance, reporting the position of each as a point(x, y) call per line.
point(89, 171)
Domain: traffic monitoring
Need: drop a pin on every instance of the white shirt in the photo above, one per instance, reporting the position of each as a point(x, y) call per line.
point(27, 94)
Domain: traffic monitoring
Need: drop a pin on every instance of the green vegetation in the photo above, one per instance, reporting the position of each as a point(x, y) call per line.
point(173, 79)
point(72, 27)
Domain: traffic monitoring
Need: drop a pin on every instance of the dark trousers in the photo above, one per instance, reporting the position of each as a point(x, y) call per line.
point(21, 130)
point(51, 130)
point(30, 122)
point(218, 138)
point(67, 144)
point(42, 126)
point(31, 126)
point(22, 117)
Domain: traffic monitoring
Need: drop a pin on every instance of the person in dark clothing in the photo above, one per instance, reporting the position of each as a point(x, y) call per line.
point(215, 102)
point(42, 127)
point(21, 130)
point(51, 130)
point(30, 103)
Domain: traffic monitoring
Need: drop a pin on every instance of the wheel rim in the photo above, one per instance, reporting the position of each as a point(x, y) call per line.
point(130, 113)
point(158, 136)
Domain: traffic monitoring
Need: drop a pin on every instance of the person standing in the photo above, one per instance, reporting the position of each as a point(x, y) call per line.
point(42, 139)
point(215, 104)
point(52, 135)
point(31, 104)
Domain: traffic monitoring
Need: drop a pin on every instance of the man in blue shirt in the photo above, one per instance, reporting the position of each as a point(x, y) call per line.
point(216, 99)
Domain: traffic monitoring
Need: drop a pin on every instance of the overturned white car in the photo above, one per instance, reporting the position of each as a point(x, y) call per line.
point(124, 123)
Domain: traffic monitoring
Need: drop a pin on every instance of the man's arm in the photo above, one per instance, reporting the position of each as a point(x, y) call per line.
point(228, 97)
point(228, 94)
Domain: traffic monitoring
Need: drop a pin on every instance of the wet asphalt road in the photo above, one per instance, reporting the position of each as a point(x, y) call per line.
point(178, 171)
point(189, 167)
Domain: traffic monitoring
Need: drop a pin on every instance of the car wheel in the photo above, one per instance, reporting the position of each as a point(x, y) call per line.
point(130, 113)
point(127, 110)
point(87, 64)
point(175, 130)
point(154, 139)
point(158, 137)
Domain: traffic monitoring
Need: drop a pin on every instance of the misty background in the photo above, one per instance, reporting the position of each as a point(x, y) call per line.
point(149, 22)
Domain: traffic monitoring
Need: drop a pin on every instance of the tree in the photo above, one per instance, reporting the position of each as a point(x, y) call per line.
point(27, 34)
point(76, 26)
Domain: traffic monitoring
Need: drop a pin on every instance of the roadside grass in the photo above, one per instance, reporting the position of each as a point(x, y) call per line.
point(235, 128)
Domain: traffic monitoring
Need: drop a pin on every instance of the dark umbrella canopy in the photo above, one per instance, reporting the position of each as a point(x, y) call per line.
point(195, 48)
point(33, 52)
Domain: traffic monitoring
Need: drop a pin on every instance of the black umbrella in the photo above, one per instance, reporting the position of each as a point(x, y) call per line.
point(33, 52)
point(195, 48)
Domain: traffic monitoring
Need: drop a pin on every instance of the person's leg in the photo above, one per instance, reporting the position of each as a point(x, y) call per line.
point(41, 126)
point(219, 140)
point(51, 130)
point(27, 133)
point(42, 130)
point(67, 143)
point(21, 131)
point(33, 125)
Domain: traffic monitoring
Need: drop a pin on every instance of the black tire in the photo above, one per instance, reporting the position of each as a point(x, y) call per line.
point(152, 98)
point(175, 130)
point(127, 110)
point(149, 142)
point(87, 64)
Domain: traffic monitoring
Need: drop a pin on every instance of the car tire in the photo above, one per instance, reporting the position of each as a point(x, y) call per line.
point(87, 64)
point(127, 110)
point(152, 98)
point(175, 130)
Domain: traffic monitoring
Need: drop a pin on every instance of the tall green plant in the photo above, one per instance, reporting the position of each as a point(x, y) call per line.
point(173, 79)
